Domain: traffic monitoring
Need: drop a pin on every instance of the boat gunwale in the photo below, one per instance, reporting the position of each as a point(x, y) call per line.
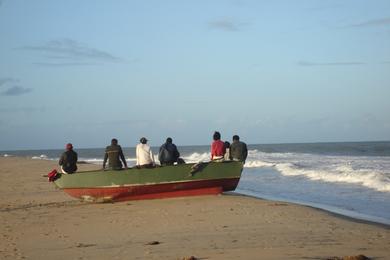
point(150, 183)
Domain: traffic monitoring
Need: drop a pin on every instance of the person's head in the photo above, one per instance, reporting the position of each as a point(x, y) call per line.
point(236, 138)
point(68, 146)
point(143, 140)
point(169, 140)
point(216, 136)
point(227, 144)
point(114, 141)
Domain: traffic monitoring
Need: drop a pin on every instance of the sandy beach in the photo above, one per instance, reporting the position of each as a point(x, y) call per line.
point(39, 221)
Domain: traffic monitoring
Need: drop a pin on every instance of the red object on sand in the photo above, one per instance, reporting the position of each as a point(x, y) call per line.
point(53, 175)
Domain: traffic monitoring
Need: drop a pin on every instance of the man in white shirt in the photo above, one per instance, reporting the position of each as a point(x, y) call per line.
point(144, 154)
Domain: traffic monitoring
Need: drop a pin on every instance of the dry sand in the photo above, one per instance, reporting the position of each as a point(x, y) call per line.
point(39, 221)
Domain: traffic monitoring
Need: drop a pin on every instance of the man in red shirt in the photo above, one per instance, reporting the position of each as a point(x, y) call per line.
point(218, 148)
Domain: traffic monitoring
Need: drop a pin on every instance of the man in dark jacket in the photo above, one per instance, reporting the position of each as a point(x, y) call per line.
point(168, 153)
point(114, 154)
point(238, 150)
point(68, 160)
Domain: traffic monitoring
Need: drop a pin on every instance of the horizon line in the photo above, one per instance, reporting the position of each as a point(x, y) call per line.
point(187, 145)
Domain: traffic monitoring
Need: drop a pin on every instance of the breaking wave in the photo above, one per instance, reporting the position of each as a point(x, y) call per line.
point(41, 157)
point(369, 172)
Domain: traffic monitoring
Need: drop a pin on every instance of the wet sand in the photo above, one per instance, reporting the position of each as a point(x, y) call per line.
point(39, 221)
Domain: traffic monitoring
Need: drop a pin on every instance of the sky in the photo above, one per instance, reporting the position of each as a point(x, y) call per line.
point(284, 71)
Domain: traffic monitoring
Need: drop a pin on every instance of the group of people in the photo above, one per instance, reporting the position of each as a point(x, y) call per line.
point(222, 151)
point(168, 154)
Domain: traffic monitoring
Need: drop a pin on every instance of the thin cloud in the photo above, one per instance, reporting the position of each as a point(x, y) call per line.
point(53, 64)
point(312, 64)
point(69, 52)
point(374, 22)
point(12, 90)
point(226, 24)
point(16, 91)
point(4, 81)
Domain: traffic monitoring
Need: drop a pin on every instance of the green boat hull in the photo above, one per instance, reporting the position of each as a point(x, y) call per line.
point(159, 182)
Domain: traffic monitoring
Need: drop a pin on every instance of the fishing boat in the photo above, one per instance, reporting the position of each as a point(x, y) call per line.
point(160, 182)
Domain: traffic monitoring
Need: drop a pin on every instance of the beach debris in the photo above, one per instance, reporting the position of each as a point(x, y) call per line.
point(278, 204)
point(85, 245)
point(189, 258)
point(356, 257)
point(87, 198)
point(152, 243)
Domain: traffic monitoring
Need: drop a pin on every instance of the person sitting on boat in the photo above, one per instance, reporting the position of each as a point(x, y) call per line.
point(238, 150)
point(217, 148)
point(168, 153)
point(145, 157)
point(68, 160)
point(226, 157)
point(114, 154)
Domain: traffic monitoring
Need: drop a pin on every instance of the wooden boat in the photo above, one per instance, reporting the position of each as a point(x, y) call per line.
point(160, 182)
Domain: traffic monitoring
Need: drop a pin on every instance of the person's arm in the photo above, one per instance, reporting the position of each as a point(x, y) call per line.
point(160, 154)
point(122, 157)
point(105, 159)
point(151, 156)
point(212, 150)
point(61, 162)
point(223, 149)
point(137, 155)
point(177, 154)
point(75, 162)
point(245, 152)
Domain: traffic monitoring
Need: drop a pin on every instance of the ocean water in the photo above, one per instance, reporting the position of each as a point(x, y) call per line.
point(351, 179)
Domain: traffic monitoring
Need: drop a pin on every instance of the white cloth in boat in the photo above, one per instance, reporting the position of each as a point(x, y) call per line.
point(144, 154)
point(218, 159)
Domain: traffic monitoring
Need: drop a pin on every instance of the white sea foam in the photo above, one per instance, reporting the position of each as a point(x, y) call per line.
point(371, 179)
point(371, 172)
point(41, 157)
point(197, 157)
point(91, 160)
point(99, 161)
point(258, 164)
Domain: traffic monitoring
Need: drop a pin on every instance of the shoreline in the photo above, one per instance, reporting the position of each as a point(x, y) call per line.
point(331, 210)
point(42, 222)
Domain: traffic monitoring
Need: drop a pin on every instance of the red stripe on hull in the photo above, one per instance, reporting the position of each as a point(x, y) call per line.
point(155, 191)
